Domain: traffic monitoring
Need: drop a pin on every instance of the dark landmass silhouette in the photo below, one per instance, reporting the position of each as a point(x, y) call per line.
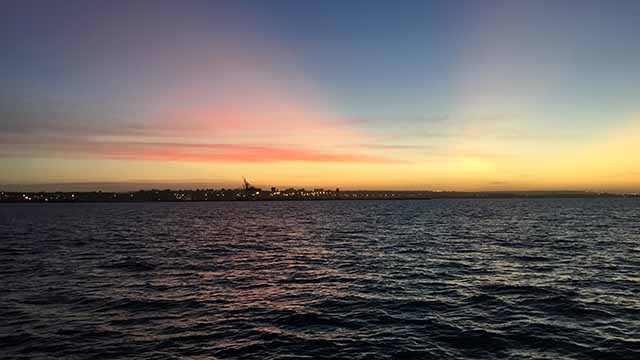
point(250, 193)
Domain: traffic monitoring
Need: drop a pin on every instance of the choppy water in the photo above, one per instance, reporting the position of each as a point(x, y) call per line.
point(519, 279)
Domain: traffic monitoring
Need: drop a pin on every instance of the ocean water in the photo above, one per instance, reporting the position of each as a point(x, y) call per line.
point(459, 279)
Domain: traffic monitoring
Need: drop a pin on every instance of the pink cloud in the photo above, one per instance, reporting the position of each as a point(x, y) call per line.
point(174, 151)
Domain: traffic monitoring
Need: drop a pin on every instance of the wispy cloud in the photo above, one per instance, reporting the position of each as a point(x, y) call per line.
point(374, 146)
point(500, 127)
point(173, 151)
point(499, 182)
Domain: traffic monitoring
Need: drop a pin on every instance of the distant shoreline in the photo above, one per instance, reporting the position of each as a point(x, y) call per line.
point(254, 194)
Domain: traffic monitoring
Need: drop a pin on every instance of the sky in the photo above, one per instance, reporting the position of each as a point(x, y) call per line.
point(434, 95)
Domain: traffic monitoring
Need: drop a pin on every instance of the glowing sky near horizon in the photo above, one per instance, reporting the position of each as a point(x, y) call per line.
point(452, 95)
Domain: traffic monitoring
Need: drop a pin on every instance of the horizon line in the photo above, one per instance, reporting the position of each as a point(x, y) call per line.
point(6, 188)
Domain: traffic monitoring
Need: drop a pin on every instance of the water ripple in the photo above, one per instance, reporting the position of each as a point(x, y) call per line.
point(509, 278)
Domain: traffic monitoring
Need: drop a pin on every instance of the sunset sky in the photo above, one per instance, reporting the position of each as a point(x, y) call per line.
point(442, 95)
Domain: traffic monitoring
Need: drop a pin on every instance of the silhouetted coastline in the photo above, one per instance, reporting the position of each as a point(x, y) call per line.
point(250, 193)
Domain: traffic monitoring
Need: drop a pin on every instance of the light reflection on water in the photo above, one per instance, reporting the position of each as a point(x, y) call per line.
point(370, 279)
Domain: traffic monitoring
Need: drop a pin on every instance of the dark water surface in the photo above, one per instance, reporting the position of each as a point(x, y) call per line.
point(518, 279)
